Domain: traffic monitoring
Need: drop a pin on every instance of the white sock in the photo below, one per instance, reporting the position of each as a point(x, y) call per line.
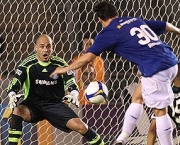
point(131, 117)
point(164, 130)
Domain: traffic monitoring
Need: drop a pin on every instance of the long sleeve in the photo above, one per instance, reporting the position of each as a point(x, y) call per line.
point(18, 80)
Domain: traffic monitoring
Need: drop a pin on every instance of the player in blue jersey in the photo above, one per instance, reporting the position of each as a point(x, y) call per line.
point(136, 40)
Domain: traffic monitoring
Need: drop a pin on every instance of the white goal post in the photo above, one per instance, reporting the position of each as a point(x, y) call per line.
point(67, 22)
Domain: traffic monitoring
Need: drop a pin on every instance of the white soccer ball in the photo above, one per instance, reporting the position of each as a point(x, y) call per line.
point(96, 92)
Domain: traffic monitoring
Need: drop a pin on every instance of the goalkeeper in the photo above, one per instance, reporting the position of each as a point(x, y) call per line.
point(43, 96)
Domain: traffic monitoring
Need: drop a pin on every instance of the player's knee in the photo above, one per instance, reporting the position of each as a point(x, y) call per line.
point(22, 111)
point(77, 125)
point(82, 129)
point(17, 111)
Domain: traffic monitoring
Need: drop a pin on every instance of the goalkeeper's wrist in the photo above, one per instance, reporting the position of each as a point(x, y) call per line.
point(12, 93)
point(74, 93)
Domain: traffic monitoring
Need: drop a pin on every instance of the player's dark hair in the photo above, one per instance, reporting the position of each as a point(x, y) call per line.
point(105, 10)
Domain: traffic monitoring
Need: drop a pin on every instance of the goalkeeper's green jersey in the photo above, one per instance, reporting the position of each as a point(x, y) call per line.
point(33, 76)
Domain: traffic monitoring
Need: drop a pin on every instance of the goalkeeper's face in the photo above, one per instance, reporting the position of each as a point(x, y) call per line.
point(44, 48)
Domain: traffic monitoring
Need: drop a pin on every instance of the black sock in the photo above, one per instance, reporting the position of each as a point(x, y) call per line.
point(93, 138)
point(15, 130)
point(176, 90)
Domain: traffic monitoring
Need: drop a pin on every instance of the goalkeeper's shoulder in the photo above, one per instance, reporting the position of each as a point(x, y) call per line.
point(58, 61)
point(31, 59)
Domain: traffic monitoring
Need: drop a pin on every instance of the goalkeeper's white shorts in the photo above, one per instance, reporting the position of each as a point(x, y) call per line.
point(156, 90)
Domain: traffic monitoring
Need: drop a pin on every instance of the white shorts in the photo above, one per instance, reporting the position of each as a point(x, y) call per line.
point(156, 90)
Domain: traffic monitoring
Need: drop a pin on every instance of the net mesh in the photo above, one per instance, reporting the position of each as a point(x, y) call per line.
point(67, 22)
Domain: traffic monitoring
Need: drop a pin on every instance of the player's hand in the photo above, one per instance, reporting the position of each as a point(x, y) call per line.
point(13, 99)
point(57, 71)
point(72, 98)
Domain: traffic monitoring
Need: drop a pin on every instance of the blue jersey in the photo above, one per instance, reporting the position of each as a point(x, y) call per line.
point(136, 40)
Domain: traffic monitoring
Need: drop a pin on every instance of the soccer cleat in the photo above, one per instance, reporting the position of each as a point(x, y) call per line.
point(118, 143)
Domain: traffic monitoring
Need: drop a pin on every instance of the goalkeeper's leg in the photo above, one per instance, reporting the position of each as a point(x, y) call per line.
point(20, 113)
point(15, 130)
point(92, 137)
point(79, 126)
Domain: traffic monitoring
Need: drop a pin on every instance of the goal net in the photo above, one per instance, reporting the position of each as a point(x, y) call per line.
point(67, 22)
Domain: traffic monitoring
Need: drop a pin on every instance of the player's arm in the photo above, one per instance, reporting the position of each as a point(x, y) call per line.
point(159, 27)
point(102, 43)
point(13, 88)
point(171, 28)
point(18, 80)
point(82, 61)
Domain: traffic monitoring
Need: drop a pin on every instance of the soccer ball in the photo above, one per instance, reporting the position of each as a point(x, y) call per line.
point(96, 92)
